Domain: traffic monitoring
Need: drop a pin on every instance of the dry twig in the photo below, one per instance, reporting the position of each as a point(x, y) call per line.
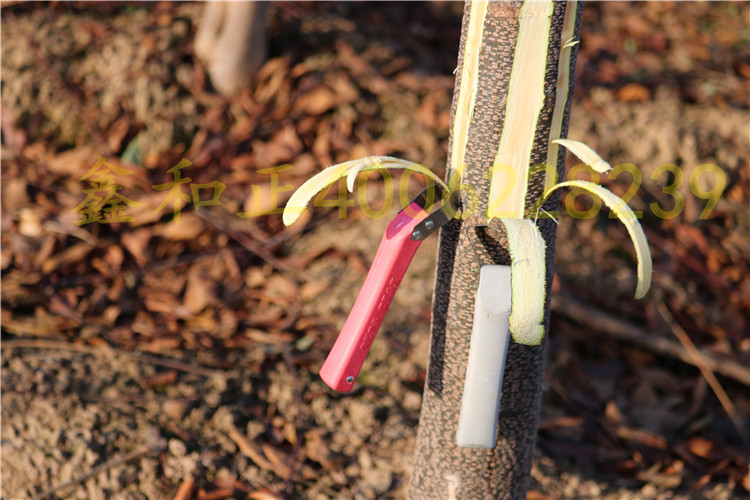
point(133, 455)
point(627, 332)
point(298, 420)
point(144, 358)
point(248, 243)
point(700, 361)
point(185, 492)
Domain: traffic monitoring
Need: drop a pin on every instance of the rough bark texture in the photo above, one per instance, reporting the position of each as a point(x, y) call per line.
point(442, 470)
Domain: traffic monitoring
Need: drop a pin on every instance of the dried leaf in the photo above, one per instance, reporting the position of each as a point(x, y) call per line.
point(702, 447)
point(642, 437)
point(185, 491)
point(278, 459)
point(13, 137)
point(316, 449)
point(114, 258)
point(612, 412)
point(264, 337)
point(281, 287)
point(161, 345)
point(143, 324)
point(250, 449)
point(230, 483)
point(41, 325)
point(70, 255)
point(264, 494)
point(215, 494)
point(136, 242)
point(74, 162)
point(427, 113)
point(538, 495)
point(160, 379)
point(14, 193)
point(174, 409)
point(634, 92)
point(317, 101)
point(283, 147)
point(160, 302)
point(204, 322)
point(198, 293)
point(189, 227)
point(313, 289)
point(17, 290)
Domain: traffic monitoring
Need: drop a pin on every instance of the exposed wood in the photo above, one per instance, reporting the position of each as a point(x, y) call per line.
point(467, 91)
point(523, 104)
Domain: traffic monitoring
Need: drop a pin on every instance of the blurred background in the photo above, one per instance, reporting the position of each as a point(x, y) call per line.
point(149, 357)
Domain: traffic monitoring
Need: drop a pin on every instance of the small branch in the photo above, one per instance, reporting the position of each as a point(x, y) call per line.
point(185, 492)
point(248, 243)
point(298, 420)
point(627, 332)
point(133, 455)
point(143, 358)
point(699, 360)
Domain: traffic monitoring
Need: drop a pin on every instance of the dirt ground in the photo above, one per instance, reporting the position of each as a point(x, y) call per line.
point(178, 359)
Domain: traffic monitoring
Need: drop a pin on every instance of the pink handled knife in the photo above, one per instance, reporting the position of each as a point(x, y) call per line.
point(397, 248)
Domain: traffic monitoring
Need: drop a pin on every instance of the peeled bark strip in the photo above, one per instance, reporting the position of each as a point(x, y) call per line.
point(442, 470)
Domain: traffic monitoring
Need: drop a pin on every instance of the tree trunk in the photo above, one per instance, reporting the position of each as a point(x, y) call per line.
point(231, 42)
point(481, 115)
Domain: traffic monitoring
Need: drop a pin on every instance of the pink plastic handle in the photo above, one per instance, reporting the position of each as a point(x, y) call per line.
point(394, 254)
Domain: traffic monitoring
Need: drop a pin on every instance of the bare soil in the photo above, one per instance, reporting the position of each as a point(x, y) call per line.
point(164, 359)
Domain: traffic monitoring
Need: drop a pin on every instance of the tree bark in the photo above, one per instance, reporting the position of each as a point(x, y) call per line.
point(442, 470)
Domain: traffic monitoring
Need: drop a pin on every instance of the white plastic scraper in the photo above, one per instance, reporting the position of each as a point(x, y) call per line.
point(477, 423)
